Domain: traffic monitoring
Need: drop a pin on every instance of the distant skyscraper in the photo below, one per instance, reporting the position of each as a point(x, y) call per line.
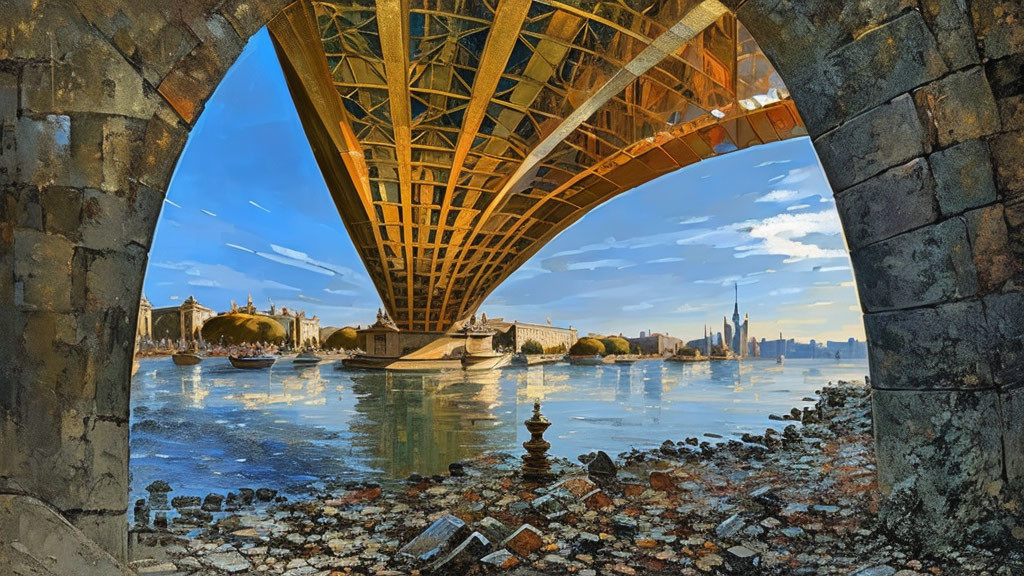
point(740, 337)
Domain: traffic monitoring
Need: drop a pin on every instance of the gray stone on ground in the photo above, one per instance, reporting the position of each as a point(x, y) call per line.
point(435, 538)
point(230, 561)
point(602, 466)
point(498, 558)
point(464, 556)
point(730, 526)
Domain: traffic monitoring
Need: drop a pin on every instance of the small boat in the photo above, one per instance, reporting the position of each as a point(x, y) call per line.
point(186, 358)
point(627, 359)
point(252, 362)
point(307, 358)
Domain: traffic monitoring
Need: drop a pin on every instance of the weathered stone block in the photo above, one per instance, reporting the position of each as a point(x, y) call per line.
point(929, 348)
point(109, 530)
point(43, 534)
point(43, 150)
point(963, 177)
point(8, 96)
point(997, 26)
point(950, 22)
point(187, 86)
point(42, 268)
point(163, 144)
point(958, 107)
point(1005, 316)
point(926, 266)
point(1012, 425)
point(91, 77)
point(996, 264)
point(62, 211)
point(248, 16)
point(1006, 76)
point(883, 206)
point(1006, 159)
point(879, 65)
point(116, 221)
point(877, 140)
point(939, 461)
point(122, 144)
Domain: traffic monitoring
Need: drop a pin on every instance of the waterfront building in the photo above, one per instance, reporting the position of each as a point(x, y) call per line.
point(181, 323)
point(514, 334)
point(144, 329)
point(656, 344)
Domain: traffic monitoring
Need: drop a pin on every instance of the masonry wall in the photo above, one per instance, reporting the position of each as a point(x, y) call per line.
point(916, 110)
point(96, 101)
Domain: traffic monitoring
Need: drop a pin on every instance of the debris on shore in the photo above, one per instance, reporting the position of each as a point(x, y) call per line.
point(802, 500)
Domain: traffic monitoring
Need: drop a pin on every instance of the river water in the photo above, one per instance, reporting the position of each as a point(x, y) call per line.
point(214, 428)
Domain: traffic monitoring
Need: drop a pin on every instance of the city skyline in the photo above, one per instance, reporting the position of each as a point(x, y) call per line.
point(238, 219)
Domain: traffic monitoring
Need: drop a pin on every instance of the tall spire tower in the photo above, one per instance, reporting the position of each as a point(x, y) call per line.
point(738, 345)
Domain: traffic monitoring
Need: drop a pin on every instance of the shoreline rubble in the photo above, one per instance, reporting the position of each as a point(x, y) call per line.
point(798, 501)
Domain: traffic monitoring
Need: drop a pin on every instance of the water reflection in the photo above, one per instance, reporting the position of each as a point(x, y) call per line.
point(211, 427)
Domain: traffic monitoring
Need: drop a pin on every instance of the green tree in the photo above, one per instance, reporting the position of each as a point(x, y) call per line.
point(532, 347)
point(587, 347)
point(688, 351)
point(343, 339)
point(615, 345)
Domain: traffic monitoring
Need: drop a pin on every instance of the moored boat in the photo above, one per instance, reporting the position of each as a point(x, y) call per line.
point(252, 362)
point(186, 358)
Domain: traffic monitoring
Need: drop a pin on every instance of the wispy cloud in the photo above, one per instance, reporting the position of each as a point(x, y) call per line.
point(205, 282)
point(305, 298)
point(637, 307)
point(168, 200)
point(694, 220)
point(786, 291)
point(797, 207)
point(666, 260)
point(298, 259)
point(207, 212)
point(728, 280)
point(771, 163)
point(830, 268)
point(258, 206)
point(820, 304)
point(607, 263)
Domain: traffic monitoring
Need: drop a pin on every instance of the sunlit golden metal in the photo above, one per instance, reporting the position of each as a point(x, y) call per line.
point(457, 137)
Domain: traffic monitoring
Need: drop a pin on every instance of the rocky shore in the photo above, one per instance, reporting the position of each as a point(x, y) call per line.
point(801, 500)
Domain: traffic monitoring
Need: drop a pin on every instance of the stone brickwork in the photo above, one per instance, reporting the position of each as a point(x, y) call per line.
point(917, 104)
point(916, 112)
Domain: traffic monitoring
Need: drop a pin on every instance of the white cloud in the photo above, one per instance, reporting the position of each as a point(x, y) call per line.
point(785, 291)
point(694, 220)
point(692, 308)
point(775, 235)
point(797, 207)
point(637, 307)
point(340, 292)
point(168, 200)
point(781, 196)
point(729, 280)
point(665, 260)
point(305, 298)
point(298, 259)
point(830, 268)
point(771, 162)
point(258, 206)
point(207, 212)
point(820, 304)
point(607, 263)
point(205, 282)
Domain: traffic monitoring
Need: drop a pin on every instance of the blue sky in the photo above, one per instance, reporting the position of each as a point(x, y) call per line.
point(248, 212)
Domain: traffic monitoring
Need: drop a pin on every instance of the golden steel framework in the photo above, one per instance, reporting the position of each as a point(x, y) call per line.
point(458, 137)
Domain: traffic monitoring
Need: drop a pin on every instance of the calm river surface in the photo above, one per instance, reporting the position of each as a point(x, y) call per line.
point(214, 428)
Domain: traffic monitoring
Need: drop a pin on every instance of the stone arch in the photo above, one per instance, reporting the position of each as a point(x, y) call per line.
point(916, 109)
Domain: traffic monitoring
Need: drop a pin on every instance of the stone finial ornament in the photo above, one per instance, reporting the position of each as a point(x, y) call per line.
point(536, 467)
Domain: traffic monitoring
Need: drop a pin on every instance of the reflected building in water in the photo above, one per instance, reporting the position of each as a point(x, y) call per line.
point(416, 423)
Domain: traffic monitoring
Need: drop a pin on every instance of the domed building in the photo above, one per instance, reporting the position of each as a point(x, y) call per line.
point(344, 338)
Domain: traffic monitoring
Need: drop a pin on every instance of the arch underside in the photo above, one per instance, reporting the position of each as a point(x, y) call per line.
point(458, 137)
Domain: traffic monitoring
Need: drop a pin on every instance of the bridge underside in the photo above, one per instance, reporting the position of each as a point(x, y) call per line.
point(458, 137)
